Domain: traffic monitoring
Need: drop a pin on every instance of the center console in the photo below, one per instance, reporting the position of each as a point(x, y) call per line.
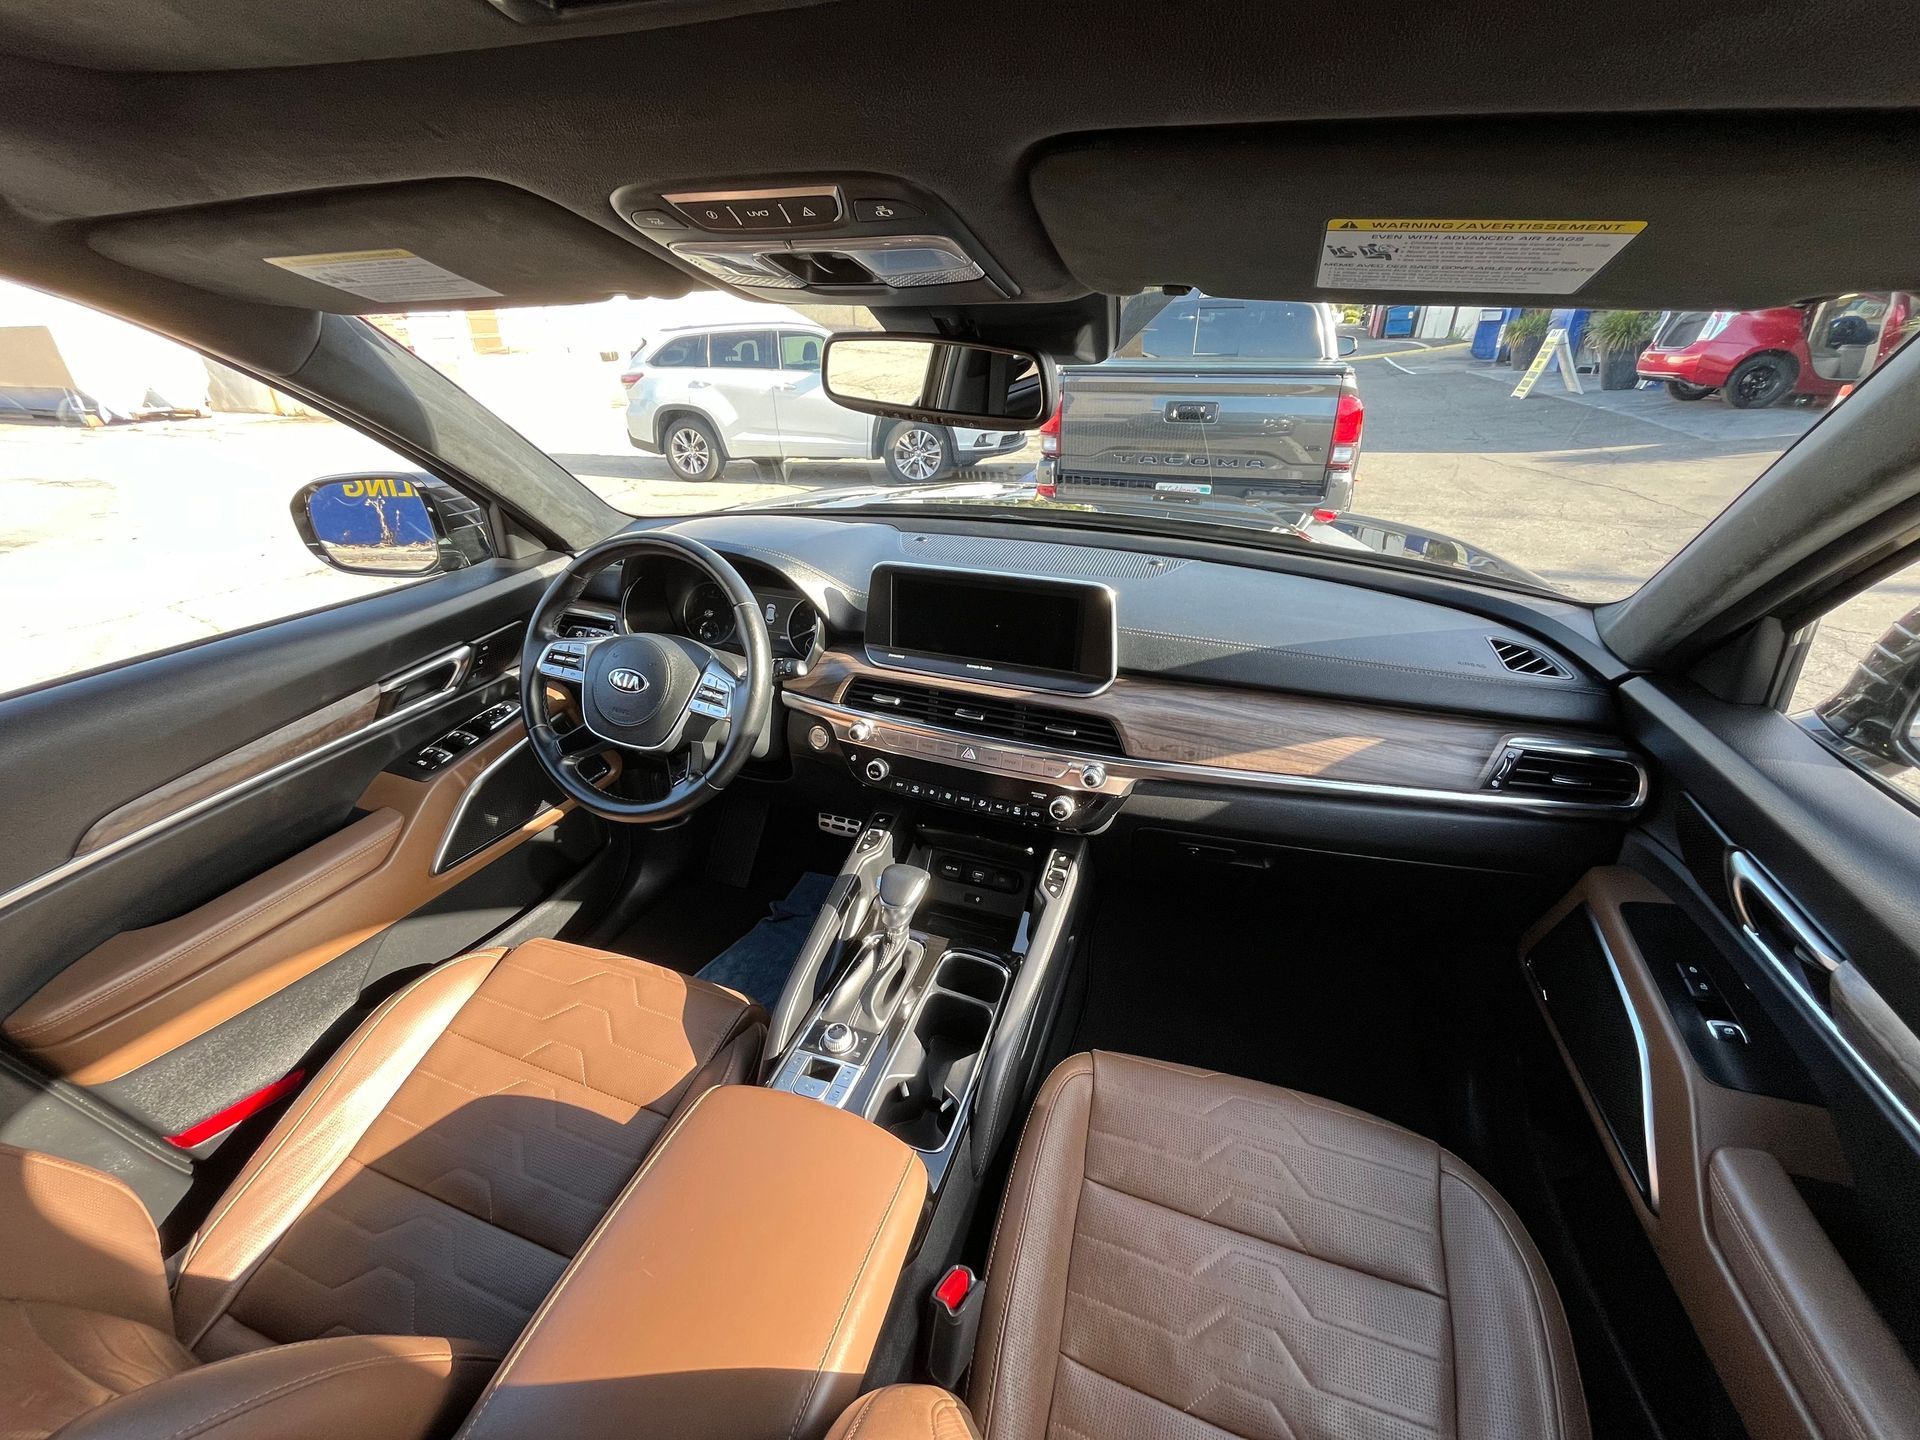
point(921, 998)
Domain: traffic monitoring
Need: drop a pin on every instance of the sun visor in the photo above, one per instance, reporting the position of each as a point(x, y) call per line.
point(1613, 211)
point(439, 244)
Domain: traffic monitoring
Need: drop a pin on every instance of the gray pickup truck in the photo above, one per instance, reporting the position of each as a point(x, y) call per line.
point(1203, 397)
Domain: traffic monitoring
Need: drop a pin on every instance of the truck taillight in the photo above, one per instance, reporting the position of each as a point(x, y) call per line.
point(1050, 432)
point(632, 378)
point(1348, 421)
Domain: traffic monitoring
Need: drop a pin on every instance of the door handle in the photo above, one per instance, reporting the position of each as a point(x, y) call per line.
point(698, 385)
point(1767, 916)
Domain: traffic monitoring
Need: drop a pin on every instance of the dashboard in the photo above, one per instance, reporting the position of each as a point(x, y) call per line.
point(1056, 684)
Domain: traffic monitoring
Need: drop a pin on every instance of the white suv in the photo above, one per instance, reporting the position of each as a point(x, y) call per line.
point(702, 395)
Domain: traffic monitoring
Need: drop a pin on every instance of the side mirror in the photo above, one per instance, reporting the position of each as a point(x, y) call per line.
point(1349, 345)
point(922, 377)
point(399, 523)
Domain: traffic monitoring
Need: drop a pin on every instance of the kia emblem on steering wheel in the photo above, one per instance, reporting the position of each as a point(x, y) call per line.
point(631, 682)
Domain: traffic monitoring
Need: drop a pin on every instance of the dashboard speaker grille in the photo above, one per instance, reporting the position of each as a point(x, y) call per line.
point(1040, 725)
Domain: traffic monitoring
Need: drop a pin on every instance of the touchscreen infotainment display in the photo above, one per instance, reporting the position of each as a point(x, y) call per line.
point(1025, 630)
point(970, 621)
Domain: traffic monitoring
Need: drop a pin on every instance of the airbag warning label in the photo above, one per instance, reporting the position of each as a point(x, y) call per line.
point(394, 276)
point(1525, 257)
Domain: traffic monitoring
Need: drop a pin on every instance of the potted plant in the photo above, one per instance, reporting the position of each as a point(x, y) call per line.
point(1618, 337)
point(1524, 334)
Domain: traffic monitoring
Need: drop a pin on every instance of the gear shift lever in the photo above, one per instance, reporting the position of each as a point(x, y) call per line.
point(901, 889)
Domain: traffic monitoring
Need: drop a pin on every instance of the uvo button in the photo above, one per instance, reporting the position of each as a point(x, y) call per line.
point(759, 215)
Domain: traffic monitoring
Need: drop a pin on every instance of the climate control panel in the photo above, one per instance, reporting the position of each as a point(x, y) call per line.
point(990, 797)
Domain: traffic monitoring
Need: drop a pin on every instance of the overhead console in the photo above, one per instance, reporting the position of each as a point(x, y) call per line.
point(862, 239)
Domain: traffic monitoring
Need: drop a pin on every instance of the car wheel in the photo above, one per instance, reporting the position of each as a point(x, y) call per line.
point(692, 449)
point(1680, 390)
point(1759, 381)
point(916, 451)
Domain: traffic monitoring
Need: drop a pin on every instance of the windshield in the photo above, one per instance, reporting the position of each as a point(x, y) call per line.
point(1570, 450)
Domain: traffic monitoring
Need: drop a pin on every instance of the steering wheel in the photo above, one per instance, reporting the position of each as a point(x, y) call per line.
point(689, 712)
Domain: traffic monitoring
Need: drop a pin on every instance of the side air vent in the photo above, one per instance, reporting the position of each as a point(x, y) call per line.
point(1573, 777)
point(1525, 660)
point(996, 719)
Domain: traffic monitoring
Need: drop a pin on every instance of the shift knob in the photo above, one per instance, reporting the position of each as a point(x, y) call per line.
point(900, 890)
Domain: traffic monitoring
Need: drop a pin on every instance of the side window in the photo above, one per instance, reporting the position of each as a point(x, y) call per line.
point(799, 352)
point(148, 497)
point(687, 351)
point(1859, 686)
point(747, 350)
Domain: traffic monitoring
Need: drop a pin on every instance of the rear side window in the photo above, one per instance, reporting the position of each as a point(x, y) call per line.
point(1198, 328)
point(685, 351)
point(799, 352)
point(748, 349)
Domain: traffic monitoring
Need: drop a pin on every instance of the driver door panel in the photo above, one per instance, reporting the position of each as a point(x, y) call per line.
point(207, 895)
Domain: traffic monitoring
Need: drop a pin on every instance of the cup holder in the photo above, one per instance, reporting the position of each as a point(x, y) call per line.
point(933, 1068)
point(971, 976)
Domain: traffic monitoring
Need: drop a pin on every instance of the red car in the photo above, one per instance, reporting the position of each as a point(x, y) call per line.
point(1755, 357)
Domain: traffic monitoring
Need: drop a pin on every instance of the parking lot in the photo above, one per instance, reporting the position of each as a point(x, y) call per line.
point(158, 533)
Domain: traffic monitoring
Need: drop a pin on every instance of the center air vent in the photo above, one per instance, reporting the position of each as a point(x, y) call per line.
point(1574, 777)
point(1039, 725)
point(1525, 660)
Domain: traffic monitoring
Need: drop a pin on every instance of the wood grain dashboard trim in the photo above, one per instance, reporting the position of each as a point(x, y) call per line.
point(1254, 732)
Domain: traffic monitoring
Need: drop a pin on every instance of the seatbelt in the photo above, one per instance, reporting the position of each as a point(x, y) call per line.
point(953, 1326)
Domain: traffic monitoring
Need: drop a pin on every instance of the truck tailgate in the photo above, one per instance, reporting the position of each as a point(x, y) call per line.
point(1166, 428)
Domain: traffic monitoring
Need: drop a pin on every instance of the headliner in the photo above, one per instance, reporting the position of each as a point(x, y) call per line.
point(107, 168)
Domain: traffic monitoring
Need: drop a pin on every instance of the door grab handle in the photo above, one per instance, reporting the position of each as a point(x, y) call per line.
point(1747, 883)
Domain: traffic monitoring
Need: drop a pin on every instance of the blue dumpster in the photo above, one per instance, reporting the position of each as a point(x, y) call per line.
point(1400, 320)
point(1486, 335)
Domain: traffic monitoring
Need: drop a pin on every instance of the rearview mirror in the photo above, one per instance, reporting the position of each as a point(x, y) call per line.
point(921, 377)
point(397, 523)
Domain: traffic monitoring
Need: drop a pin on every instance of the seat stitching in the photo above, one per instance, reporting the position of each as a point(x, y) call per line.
point(561, 1256)
point(1364, 1331)
point(840, 1320)
point(1119, 1384)
point(1539, 1304)
point(85, 1003)
point(369, 1030)
point(208, 1422)
point(1019, 1241)
point(543, 1069)
point(1276, 1244)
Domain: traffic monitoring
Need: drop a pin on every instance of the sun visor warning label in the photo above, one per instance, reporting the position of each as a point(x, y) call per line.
point(387, 275)
point(1515, 257)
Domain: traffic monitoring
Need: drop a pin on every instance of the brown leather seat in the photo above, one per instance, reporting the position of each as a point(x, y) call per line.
point(405, 1217)
point(1184, 1255)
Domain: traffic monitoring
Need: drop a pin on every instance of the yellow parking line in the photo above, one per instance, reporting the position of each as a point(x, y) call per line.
point(1428, 350)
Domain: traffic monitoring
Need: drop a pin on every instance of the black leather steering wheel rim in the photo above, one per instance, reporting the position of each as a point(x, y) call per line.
point(748, 706)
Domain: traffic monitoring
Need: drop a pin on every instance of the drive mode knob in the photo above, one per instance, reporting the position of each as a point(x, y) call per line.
point(878, 769)
point(1061, 807)
point(837, 1038)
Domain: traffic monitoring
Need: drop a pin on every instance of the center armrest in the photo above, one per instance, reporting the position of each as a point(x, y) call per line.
point(736, 1288)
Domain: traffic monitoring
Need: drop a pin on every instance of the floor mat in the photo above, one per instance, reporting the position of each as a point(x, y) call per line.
point(757, 964)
